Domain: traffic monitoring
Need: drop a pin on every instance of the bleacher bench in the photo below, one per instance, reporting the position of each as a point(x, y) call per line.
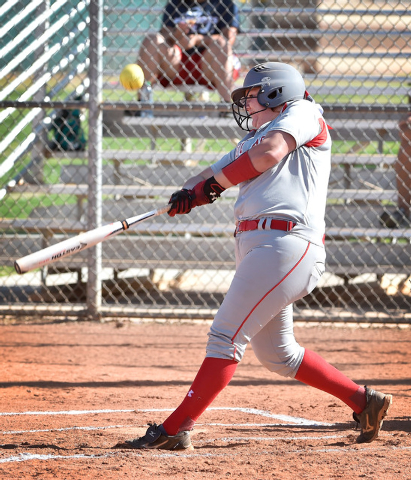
point(344, 127)
point(203, 239)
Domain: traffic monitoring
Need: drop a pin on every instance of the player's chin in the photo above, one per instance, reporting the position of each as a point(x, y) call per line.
point(254, 120)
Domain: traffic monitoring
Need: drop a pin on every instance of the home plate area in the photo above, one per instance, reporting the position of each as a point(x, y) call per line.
point(33, 432)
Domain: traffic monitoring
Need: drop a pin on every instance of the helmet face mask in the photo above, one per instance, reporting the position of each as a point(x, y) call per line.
point(242, 117)
point(279, 83)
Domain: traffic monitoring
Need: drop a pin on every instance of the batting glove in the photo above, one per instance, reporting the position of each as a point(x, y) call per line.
point(181, 202)
point(203, 193)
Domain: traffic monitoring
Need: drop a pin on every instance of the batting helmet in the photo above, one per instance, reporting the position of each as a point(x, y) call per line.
point(279, 83)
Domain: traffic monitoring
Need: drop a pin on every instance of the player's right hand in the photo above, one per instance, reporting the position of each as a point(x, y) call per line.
point(181, 202)
point(203, 193)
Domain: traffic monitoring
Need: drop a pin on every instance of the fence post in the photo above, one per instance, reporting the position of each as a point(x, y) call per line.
point(95, 136)
point(35, 174)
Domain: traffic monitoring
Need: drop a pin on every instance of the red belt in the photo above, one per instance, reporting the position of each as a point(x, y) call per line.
point(264, 224)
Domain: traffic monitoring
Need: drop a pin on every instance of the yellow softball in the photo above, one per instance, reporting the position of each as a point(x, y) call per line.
point(132, 77)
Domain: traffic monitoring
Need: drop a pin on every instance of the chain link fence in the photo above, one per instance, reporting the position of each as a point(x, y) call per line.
point(78, 150)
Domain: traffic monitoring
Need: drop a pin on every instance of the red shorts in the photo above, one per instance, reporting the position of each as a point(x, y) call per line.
point(190, 71)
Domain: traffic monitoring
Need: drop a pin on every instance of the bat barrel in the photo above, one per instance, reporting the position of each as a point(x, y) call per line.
point(68, 247)
point(85, 240)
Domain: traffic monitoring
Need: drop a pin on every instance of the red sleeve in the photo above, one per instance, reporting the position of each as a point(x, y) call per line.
point(240, 170)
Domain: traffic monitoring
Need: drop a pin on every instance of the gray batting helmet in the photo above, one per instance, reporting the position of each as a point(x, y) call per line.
point(279, 83)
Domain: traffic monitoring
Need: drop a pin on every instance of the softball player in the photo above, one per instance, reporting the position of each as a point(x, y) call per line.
point(282, 167)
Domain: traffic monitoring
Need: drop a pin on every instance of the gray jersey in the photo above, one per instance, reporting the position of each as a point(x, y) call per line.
point(296, 188)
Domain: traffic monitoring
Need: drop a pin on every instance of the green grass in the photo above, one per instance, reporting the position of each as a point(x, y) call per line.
point(392, 99)
point(371, 148)
point(165, 145)
point(6, 271)
point(16, 205)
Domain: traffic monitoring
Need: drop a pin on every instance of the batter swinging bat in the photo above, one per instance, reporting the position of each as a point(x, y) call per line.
point(81, 242)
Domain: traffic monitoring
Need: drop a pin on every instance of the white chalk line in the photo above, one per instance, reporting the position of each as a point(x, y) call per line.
point(285, 418)
point(65, 412)
point(24, 457)
point(17, 432)
point(255, 425)
point(282, 424)
point(253, 411)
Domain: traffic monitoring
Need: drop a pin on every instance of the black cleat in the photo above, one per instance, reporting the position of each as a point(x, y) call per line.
point(156, 437)
point(371, 418)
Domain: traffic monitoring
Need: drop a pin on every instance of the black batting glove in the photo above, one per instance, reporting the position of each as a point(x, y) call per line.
point(203, 193)
point(181, 202)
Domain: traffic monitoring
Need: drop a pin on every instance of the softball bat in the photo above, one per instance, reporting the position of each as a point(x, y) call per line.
point(81, 242)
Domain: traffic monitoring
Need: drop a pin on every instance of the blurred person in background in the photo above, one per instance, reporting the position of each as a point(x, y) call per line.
point(194, 46)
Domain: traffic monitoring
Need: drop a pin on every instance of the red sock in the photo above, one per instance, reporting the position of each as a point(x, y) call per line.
point(214, 375)
point(318, 373)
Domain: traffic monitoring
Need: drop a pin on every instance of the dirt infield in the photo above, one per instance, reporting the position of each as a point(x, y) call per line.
point(70, 391)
